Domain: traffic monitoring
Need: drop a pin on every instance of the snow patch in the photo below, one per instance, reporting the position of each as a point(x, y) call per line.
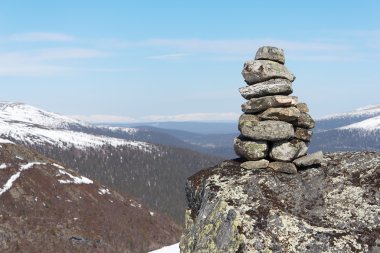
point(3, 166)
point(151, 213)
point(74, 179)
point(103, 191)
point(14, 177)
point(5, 141)
point(168, 249)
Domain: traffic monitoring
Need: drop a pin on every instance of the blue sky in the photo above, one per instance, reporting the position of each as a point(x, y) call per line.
point(177, 60)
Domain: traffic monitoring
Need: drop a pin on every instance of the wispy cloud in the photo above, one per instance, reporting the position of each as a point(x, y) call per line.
point(43, 62)
point(167, 57)
point(101, 118)
point(39, 37)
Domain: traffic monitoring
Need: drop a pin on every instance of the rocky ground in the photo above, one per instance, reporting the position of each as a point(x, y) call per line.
point(46, 207)
point(334, 207)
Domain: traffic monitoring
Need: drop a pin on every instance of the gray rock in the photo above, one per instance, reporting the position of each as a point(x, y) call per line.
point(309, 160)
point(305, 121)
point(269, 130)
point(334, 208)
point(286, 151)
point(268, 88)
point(250, 150)
point(255, 105)
point(270, 53)
point(288, 168)
point(302, 107)
point(303, 134)
point(262, 70)
point(252, 165)
point(287, 114)
point(247, 119)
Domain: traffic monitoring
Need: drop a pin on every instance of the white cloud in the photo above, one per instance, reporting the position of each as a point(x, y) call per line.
point(69, 53)
point(40, 37)
point(101, 118)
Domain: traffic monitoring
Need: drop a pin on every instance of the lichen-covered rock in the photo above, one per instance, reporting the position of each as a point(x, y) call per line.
point(303, 134)
point(247, 119)
point(270, 53)
point(252, 165)
point(250, 150)
point(286, 151)
point(305, 121)
point(332, 208)
point(309, 160)
point(271, 87)
point(283, 167)
point(262, 70)
point(288, 114)
point(255, 105)
point(269, 130)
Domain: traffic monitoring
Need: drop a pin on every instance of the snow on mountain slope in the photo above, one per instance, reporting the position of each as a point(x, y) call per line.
point(369, 111)
point(29, 125)
point(370, 124)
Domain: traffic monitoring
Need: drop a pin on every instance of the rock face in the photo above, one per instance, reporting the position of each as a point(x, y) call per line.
point(334, 207)
point(272, 116)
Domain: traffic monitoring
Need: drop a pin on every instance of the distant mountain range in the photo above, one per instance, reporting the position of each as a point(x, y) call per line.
point(130, 160)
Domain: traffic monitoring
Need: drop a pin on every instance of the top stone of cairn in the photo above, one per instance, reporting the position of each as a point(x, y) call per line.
point(270, 53)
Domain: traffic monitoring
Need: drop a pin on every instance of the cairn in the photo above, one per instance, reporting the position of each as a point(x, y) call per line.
point(275, 128)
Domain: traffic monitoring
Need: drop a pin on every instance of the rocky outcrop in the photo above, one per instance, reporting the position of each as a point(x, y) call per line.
point(334, 207)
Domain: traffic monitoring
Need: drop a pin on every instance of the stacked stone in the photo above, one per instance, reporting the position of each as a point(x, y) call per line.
point(275, 128)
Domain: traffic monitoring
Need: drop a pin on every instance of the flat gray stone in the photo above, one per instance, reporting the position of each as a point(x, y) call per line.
point(288, 168)
point(288, 114)
point(246, 119)
point(286, 151)
point(250, 150)
point(303, 134)
point(271, 87)
point(262, 70)
point(270, 53)
point(252, 165)
point(268, 130)
point(309, 160)
point(305, 121)
point(255, 105)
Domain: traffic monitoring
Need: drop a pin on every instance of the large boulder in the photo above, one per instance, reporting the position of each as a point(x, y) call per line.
point(271, 87)
point(256, 105)
point(270, 53)
point(269, 130)
point(262, 70)
point(309, 160)
point(332, 208)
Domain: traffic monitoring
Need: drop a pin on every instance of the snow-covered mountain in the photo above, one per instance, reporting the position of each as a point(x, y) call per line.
point(344, 119)
point(353, 131)
point(371, 124)
point(29, 125)
point(131, 160)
